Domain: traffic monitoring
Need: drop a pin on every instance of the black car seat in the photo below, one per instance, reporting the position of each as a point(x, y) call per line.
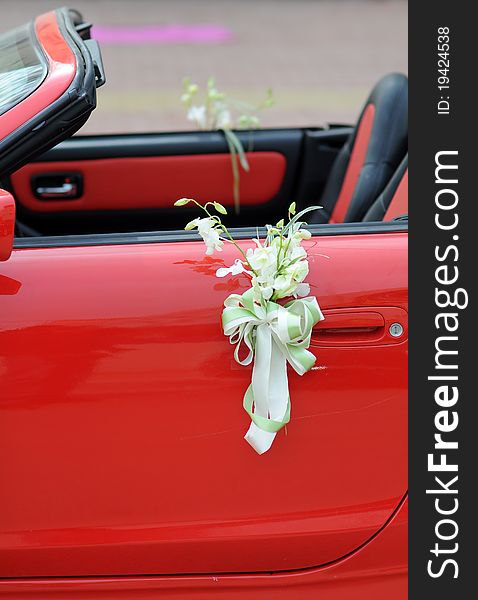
point(393, 201)
point(370, 156)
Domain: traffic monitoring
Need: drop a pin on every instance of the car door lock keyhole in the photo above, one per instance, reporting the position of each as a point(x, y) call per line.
point(395, 329)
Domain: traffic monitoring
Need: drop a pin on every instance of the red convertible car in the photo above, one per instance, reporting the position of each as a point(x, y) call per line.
point(122, 465)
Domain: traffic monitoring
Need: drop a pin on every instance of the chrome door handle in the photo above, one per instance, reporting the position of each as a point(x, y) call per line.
point(66, 190)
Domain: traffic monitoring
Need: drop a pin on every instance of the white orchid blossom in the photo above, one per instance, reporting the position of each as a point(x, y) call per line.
point(280, 264)
point(302, 290)
point(262, 258)
point(207, 229)
point(224, 119)
point(286, 283)
point(220, 112)
point(235, 269)
point(197, 114)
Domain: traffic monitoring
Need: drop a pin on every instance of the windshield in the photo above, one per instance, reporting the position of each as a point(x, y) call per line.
point(21, 68)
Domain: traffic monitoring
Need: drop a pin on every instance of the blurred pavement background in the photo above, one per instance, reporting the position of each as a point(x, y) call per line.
point(321, 57)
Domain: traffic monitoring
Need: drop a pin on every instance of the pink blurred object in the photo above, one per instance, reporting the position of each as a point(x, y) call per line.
point(167, 34)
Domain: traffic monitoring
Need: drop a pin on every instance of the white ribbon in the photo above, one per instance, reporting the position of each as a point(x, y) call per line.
point(274, 335)
point(270, 387)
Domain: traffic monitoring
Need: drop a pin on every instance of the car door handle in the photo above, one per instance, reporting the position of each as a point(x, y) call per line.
point(57, 186)
point(361, 326)
point(66, 190)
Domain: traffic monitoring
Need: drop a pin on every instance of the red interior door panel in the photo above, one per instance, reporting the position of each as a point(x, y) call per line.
point(121, 414)
point(154, 181)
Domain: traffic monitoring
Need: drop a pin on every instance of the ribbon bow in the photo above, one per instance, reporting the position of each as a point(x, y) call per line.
point(274, 335)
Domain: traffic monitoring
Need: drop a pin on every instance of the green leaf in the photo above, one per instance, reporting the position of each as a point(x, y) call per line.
point(292, 208)
point(220, 208)
point(182, 201)
point(235, 171)
point(236, 143)
point(190, 225)
point(280, 224)
point(298, 216)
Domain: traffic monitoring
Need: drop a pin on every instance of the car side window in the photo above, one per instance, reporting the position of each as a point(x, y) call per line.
point(21, 67)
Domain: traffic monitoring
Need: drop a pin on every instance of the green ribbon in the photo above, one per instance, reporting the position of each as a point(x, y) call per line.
point(273, 336)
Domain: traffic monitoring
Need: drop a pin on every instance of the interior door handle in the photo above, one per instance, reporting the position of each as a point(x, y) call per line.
point(66, 190)
point(360, 326)
point(57, 185)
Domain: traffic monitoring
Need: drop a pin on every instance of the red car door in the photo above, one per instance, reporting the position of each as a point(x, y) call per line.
point(121, 419)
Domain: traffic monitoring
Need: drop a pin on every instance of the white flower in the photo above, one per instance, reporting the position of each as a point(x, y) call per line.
point(279, 267)
point(224, 120)
point(235, 269)
point(213, 94)
point(302, 290)
point(284, 286)
point(262, 259)
point(294, 240)
point(197, 114)
point(267, 292)
point(303, 234)
point(297, 252)
point(209, 234)
point(298, 271)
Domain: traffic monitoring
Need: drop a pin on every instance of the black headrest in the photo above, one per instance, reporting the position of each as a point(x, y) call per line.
point(383, 146)
point(387, 145)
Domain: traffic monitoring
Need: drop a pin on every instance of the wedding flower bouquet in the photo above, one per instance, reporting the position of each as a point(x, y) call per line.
point(220, 112)
point(271, 323)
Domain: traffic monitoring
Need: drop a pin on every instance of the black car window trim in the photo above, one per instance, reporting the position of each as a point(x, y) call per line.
point(240, 233)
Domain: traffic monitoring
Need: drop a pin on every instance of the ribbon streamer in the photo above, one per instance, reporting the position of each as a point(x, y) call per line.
point(274, 336)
